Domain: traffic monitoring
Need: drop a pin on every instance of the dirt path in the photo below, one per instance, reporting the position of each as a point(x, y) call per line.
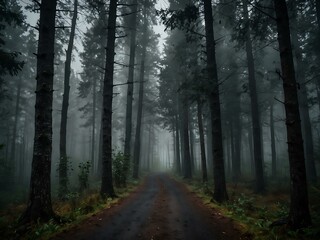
point(161, 209)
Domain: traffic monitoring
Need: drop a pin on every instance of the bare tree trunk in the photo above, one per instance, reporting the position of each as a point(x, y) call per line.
point(231, 159)
point(209, 143)
point(220, 191)
point(303, 99)
point(202, 145)
point(136, 155)
point(128, 132)
point(178, 164)
point(192, 158)
point(99, 173)
point(187, 173)
point(272, 135)
point(251, 157)
point(299, 215)
point(273, 144)
point(63, 164)
point(14, 134)
point(93, 131)
point(149, 149)
point(236, 164)
point(39, 205)
point(107, 189)
point(255, 114)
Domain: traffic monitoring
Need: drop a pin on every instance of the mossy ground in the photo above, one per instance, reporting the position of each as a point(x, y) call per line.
point(255, 212)
point(72, 211)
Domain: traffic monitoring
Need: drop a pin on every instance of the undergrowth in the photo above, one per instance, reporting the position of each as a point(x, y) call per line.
point(76, 208)
point(255, 212)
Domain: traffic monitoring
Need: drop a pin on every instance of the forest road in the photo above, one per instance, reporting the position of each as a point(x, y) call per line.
point(161, 209)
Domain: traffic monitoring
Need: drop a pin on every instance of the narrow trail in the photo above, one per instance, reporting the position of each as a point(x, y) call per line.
point(162, 209)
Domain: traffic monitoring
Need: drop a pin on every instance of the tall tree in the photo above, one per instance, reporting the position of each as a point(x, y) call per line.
point(136, 155)
point(202, 143)
point(128, 126)
point(303, 95)
point(220, 191)
point(299, 215)
point(255, 114)
point(39, 205)
point(63, 165)
point(107, 189)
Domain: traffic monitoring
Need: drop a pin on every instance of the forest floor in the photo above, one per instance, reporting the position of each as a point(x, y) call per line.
point(161, 208)
point(167, 207)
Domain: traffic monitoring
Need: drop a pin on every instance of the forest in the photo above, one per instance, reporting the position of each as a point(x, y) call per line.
point(160, 119)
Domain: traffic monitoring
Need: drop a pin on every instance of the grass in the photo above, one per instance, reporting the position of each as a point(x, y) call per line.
point(73, 211)
point(255, 212)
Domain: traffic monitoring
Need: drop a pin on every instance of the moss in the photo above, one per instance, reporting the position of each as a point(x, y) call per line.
point(72, 212)
point(254, 213)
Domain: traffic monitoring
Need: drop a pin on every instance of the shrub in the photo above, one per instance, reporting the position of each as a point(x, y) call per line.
point(83, 176)
point(120, 169)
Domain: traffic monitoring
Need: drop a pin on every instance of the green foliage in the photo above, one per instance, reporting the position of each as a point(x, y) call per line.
point(181, 19)
point(45, 229)
point(83, 175)
point(10, 14)
point(121, 165)
point(241, 205)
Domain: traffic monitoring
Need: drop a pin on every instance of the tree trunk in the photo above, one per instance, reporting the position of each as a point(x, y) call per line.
point(93, 130)
point(251, 154)
point(299, 215)
point(202, 146)
point(209, 143)
point(318, 12)
point(236, 164)
point(231, 159)
point(99, 171)
point(192, 156)
point(39, 205)
point(63, 164)
point(107, 182)
point(303, 99)
point(220, 191)
point(149, 149)
point(178, 165)
point(15, 126)
point(273, 143)
point(136, 154)
point(186, 144)
point(255, 114)
point(128, 132)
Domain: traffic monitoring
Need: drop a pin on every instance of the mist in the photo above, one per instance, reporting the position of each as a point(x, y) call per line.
point(106, 100)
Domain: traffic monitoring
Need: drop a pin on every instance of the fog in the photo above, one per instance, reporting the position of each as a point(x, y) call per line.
point(195, 104)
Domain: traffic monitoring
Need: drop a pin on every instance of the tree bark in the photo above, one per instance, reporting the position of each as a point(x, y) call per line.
point(202, 145)
point(299, 215)
point(209, 143)
point(273, 144)
point(192, 158)
point(255, 114)
point(220, 191)
point(93, 130)
point(63, 164)
point(128, 132)
point(178, 165)
point(236, 164)
point(15, 126)
point(187, 173)
point(303, 99)
point(107, 189)
point(136, 155)
point(39, 205)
